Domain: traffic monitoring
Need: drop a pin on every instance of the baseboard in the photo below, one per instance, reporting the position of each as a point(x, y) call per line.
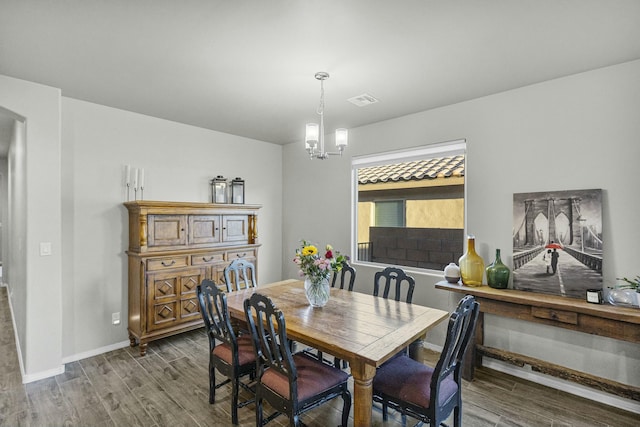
point(566, 386)
point(95, 352)
point(41, 375)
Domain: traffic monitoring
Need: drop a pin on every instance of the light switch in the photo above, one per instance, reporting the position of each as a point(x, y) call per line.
point(45, 248)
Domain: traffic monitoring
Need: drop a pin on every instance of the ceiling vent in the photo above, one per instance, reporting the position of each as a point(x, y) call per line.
point(362, 100)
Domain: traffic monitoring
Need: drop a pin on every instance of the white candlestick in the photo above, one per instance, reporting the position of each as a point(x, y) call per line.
point(127, 175)
point(135, 178)
point(142, 178)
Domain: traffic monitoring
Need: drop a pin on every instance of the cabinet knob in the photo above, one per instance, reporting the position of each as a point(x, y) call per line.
point(205, 259)
point(173, 261)
point(241, 256)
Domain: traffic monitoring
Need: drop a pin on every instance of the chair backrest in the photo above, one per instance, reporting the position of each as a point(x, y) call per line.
point(393, 278)
point(213, 307)
point(347, 275)
point(460, 330)
point(240, 274)
point(269, 333)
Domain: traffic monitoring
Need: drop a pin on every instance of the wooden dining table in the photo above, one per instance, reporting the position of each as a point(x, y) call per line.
point(362, 329)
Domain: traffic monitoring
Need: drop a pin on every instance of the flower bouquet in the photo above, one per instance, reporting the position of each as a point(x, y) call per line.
point(316, 269)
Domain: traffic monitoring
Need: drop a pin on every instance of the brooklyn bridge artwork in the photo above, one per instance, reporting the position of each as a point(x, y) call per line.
point(557, 242)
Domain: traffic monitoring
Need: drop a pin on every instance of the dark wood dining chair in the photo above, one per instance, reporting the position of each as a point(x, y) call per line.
point(240, 274)
point(233, 356)
point(430, 394)
point(345, 277)
point(291, 383)
point(391, 281)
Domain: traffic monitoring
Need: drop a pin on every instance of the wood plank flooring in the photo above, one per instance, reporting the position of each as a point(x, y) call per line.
point(169, 387)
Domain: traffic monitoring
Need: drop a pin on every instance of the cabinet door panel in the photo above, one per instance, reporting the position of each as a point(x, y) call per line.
point(204, 229)
point(172, 297)
point(162, 315)
point(235, 228)
point(167, 230)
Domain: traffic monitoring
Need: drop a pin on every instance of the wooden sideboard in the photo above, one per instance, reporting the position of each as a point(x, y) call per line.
point(622, 323)
point(173, 246)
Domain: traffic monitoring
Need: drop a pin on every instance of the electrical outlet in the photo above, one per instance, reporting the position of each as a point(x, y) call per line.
point(45, 248)
point(115, 318)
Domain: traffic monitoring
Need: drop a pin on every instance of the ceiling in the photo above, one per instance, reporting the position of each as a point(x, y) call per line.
point(247, 67)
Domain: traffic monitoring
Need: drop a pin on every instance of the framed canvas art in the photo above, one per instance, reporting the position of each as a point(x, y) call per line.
point(557, 242)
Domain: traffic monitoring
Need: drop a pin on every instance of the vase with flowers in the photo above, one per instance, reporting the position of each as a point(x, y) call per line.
point(316, 268)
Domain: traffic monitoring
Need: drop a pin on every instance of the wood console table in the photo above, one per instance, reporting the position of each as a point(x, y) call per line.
point(622, 323)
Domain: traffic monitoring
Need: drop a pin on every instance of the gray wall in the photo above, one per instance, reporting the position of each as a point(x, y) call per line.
point(577, 132)
point(179, 160)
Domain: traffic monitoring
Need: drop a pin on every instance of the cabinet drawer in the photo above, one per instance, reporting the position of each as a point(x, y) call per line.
point(557, 315)
point(167, 262)
point(207, 258)
point(244, 253)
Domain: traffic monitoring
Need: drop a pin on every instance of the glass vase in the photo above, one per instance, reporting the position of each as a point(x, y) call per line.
point(317, 290)
point(498, 273)
point(471, 265)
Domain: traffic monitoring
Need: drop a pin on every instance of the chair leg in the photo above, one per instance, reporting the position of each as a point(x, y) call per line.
point(346, 407)
point(457, 416)
point(259, 420)
point(234, 401)
point(212, 383)
point(384, 411)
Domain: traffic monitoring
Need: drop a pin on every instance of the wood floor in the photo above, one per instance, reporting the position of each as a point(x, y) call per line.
point(169, 387)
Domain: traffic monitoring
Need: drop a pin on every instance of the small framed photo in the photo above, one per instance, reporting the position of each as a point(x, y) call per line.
point(594, 296)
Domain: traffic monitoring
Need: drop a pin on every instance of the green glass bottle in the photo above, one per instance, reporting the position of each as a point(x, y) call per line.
point(498, 273)
point(471, 265)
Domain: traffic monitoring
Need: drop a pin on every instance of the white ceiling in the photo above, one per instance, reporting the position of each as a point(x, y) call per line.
point(247, 67)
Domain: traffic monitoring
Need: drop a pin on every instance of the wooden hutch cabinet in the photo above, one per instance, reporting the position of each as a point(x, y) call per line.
point(173, 246)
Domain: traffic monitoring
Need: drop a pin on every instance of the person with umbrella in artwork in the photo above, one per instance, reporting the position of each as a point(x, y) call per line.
point(554, 255)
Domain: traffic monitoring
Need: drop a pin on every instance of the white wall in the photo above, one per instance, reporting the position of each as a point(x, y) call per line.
point(34, 216)
point(179, 160)
point(577, 132)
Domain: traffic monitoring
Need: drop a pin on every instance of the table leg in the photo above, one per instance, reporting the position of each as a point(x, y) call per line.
point(362, 392)
point(416, 349)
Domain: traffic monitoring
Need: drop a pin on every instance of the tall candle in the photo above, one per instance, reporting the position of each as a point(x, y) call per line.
point(135, 178)
point(142, 178)
point(127, 175)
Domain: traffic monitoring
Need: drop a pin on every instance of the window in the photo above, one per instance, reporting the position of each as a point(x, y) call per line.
point(409, 206)
point(389, 213)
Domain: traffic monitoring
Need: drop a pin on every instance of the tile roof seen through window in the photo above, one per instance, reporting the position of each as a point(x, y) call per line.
point(438, 167)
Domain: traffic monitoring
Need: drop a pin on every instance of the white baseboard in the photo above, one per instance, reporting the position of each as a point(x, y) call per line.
point(95, 352)
point(559, 384)
point(41, 375)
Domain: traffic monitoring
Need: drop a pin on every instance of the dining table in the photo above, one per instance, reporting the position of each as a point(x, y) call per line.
point(359, 328)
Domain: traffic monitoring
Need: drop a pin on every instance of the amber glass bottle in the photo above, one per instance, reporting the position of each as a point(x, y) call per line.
point(471, 265)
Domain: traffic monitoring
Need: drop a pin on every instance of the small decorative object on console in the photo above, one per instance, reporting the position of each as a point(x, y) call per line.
point(452, 273)
point(594, 296)
point(498, 273)
point(471, 265)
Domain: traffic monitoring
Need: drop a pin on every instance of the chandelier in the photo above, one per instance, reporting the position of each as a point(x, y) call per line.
point(314, 135)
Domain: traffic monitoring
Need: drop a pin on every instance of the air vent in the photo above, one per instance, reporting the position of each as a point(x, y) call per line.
point(363, 100)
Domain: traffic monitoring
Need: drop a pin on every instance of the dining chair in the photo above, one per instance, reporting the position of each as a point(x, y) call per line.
point(346, 276)
point(393, 279)
point(233, 356)
point(240, 274)
point(290, 383)
point(430, 394)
